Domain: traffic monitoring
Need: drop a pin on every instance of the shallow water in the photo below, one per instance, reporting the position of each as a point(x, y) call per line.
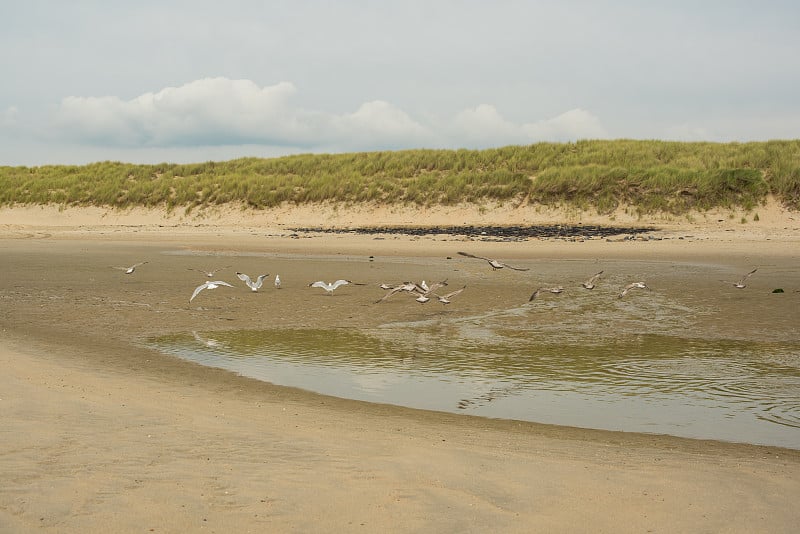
point(525, 365)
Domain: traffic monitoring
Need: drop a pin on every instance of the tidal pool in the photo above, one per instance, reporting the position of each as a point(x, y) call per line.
point(730, 390)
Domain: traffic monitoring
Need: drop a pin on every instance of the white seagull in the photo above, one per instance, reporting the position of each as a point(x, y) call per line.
point(277, 282)
point(252, 285)
point(633, 285)
point(208, 285)
point(535, 294)
point(329, 287)
point(494, 263)
point(129, 270)
point(209, 273)
point(444, 299)
point(423, 289)
point(591, 282)
point(741, 283)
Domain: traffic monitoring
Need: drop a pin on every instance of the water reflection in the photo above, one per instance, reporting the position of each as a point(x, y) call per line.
point(728, 390)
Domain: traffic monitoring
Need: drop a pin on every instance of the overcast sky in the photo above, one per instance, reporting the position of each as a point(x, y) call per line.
point(153, 81)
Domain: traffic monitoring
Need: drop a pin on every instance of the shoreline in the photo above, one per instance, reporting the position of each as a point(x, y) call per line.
point(103, 432)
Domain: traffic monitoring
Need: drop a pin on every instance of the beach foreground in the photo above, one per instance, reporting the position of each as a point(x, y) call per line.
point(101, 434)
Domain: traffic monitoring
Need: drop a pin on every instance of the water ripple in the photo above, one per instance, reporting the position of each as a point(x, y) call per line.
point(501, 364)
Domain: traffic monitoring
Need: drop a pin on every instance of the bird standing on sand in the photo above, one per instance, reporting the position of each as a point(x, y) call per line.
point(535, 294)
point(277, 282)
point(208, 285)
point(209, 273)
point(634, 285)
point(329, 287)
point(591, 282)
point(252, 285)
point(129, 270)
point(494, 263)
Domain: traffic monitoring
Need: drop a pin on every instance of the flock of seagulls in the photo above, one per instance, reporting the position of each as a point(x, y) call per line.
point(422, 292)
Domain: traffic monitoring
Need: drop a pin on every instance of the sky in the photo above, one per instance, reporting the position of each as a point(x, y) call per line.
point(172, 81)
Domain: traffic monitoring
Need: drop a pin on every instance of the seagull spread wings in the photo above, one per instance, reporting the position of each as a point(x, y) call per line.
point(208, 285)
point(252, 285)
point(494, 263)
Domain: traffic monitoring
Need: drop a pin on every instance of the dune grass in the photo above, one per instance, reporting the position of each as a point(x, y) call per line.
point(650, 176)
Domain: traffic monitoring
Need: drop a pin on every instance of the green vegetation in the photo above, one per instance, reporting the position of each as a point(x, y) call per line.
point(649, 176)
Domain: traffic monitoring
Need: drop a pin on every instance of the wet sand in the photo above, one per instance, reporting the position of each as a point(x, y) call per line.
point(101, 434)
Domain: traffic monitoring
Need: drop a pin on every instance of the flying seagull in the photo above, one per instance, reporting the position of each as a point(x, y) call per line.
point(422, 289)
point(634, 285)
point(208, 285)
point(535, 294)
point(444, 299)
point(209, 273)
point(741, 283)
point(129, 270)
point(591, 282)
point(494, 263)
point(252, 285)
point(329, 287)
point(405, 286)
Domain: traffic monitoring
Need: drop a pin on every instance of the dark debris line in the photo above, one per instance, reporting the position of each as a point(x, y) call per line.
point(519, 232)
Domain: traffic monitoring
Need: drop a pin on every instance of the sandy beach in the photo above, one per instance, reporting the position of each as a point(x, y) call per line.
point(100, 434)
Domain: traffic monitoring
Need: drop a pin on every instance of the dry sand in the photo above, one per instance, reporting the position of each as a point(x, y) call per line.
point(102, 435)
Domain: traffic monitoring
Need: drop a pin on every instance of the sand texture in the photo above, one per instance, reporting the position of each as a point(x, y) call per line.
point(100, 434)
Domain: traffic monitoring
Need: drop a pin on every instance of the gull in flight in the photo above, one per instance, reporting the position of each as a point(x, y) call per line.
point(252, 285)
point(535, 294)
point(330, 287)
point(494, 263)
point(591, 282)
point(209, 273)
point(633, 285)
point(129, 270)
point(405, 286)
point(422, 289)
point(277, 282)
point(741, 283)
point(208, 285)
point(444, 299)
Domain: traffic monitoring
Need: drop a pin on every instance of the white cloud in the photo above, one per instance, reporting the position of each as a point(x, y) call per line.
point(379, 122)
point(210, 111)
point(484, 126)
point(570, 126)
point(221, 112)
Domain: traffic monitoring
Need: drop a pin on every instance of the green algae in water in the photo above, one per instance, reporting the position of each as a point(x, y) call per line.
point(715, 389)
